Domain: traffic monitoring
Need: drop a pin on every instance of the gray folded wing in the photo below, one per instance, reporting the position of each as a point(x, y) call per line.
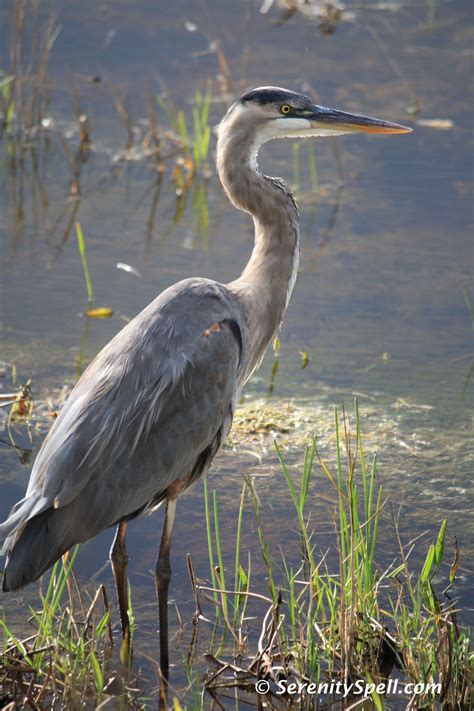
point(151, 408)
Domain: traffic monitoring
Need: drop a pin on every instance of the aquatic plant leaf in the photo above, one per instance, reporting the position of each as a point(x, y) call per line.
point(99, 679)
point(455, 563)
point(4, 88)
point(244, 581)
point(125, 650)
point(304, 359)
point(82, 251)
point(430, 556)
point(101, 312)
point(439, 547)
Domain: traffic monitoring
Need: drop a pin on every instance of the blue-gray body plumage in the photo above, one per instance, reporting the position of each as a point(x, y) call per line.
point(148, 411)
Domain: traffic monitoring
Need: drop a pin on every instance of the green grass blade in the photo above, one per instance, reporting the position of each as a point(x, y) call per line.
point(210, 545)
point(219, 552)
point(439, 545)
point(98, 677)
point(238, 571)
point(428, 565)
point(85, 267)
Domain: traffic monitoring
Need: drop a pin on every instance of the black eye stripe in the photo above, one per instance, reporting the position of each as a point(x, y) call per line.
point(265, 96)
point(274, 95)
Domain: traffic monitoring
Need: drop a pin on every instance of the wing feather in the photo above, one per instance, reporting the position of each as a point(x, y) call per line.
point(148, 405)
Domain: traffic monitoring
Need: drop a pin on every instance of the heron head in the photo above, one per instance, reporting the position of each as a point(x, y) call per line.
point(271, 112)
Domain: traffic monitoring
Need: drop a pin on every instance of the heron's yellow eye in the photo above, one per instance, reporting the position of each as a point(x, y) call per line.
point(285, 109)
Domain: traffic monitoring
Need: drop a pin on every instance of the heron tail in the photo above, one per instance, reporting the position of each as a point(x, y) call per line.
point(40, 543)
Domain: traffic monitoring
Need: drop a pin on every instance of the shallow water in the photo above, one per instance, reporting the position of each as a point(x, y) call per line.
point(379, 304)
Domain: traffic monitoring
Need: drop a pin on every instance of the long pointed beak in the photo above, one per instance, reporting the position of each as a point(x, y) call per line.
point(322, 117)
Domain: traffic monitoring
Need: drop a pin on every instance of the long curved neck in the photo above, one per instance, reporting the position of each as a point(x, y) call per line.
point(265, 286)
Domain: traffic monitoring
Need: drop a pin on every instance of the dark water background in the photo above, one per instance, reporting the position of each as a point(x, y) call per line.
point(379, 303)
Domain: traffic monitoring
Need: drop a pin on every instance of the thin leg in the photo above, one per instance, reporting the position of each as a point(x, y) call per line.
point(163, 577)
point(119, 559)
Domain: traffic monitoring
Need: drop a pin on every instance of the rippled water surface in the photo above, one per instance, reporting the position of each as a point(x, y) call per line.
point(379, 305)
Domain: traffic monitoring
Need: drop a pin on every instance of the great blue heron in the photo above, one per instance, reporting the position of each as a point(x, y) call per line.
point(150, 412)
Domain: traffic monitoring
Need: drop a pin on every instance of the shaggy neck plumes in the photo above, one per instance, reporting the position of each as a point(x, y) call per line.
point(265, 286)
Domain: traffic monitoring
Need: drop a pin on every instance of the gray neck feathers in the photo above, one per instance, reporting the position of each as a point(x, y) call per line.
point(264, 287)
